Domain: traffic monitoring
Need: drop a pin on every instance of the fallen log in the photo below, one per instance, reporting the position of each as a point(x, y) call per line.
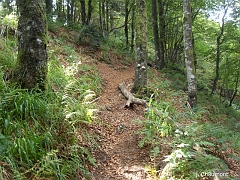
point(130, 98)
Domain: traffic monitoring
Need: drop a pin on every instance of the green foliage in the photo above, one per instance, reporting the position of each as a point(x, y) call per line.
point(195, 137)
point(90, 35)
point(7, 58)
point(53, 26)
point(38, 130)
point(159, 123)
point(8, 24)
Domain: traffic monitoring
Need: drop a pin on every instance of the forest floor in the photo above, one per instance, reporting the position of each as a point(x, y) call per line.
point(119, 156)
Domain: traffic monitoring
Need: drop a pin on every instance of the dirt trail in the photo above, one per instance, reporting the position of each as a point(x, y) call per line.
point(120, 158)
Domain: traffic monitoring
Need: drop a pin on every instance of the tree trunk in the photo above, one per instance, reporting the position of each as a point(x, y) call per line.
point(100, 14)
point(133, 30)
point(31, 71)
point(69, 10)
point(107, 15)
point(103, 16)
point(141, 46)
point(189, 56)
point(111, 20)
point(83, 12)
point(89, 14)
point(161, 62)
point(59, 9)
point(156, 34)
point(126, 22)
point(72, 10)
point(219, 42)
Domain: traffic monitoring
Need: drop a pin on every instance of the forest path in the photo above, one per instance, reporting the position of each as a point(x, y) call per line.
point(119, 157)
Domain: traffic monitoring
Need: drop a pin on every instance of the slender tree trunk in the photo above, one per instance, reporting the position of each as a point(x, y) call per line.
point(103, 16)
point(83, 12)
point(72, 10)
point(69, 10)
point(218, 53)
point(126, 22)
point(235, 90)
point(107, 15)
point(100, 15)
point(141, 46)
point(189, 56)
point(133, 29)
point(31, 70)
point(161, 62)
point(59, 8)
point(111, 20)
point(89, 14)
point(156, 34)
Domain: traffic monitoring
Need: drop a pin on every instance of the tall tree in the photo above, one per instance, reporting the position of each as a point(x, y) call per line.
point(220, 40)
point(89, 13)
point(127, 11)
point(69, 12)
point(156, 33)
point(83, 12)
point(189, 54)
point(141, 46)
point(132, 29)
point(32, 54)
point(161, 61)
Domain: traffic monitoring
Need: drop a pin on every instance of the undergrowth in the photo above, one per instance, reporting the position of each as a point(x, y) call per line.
point(198, 140)
point(39, 130)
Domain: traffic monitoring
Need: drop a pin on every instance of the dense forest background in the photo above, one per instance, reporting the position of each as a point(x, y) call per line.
point(41, 125)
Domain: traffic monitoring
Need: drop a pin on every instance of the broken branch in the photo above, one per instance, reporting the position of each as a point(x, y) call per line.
point(130, 98)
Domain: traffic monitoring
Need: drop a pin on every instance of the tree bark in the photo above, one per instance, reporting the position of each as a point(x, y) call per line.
point(132, 30)
point(156, 34)
point(161, 62)
point(100, 15)
point(83, 12)
point(189, 56)
point(127, 11)
point(89, 13)
point(31, 69)
point(141, 46)
point(103, 16)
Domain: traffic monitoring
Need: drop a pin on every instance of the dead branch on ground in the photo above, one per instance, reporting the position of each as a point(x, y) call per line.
point(130, 98)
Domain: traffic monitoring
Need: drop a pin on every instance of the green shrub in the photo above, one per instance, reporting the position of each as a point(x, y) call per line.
point(91, 36)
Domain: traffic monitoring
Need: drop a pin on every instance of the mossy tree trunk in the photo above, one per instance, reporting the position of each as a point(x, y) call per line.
point(141, 46)
point(189, 54)
point(31, 70)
